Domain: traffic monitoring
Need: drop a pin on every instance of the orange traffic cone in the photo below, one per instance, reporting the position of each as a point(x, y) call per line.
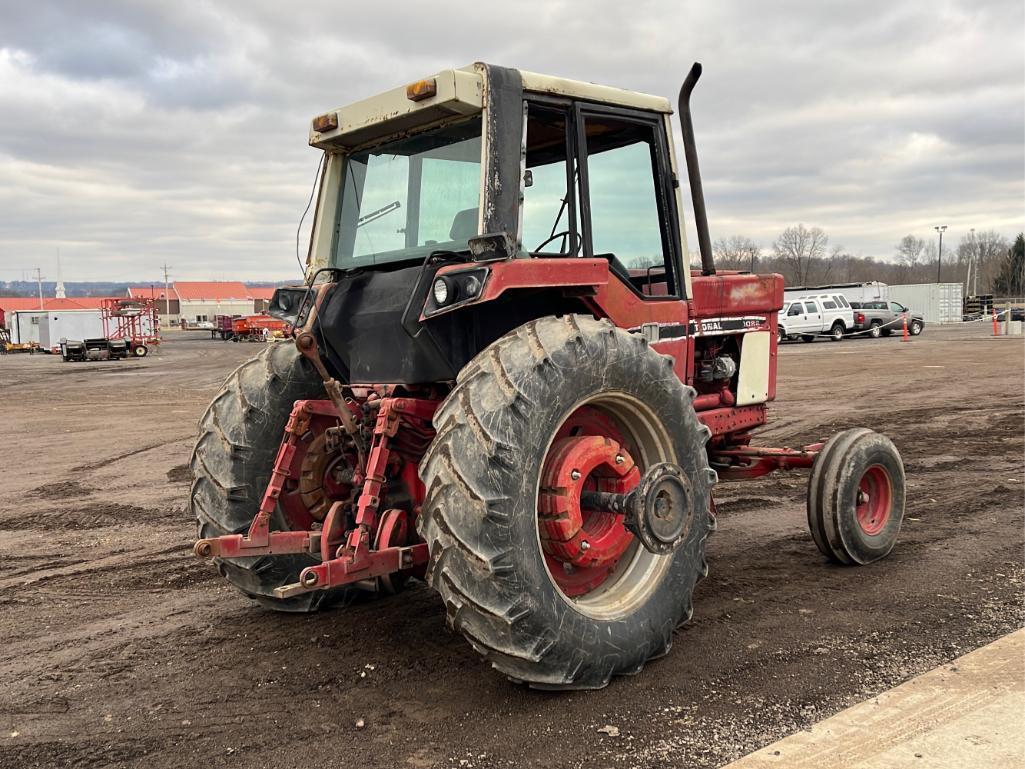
point(906, 337)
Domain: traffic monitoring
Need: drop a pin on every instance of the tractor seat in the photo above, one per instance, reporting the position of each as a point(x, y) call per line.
point(464, 225)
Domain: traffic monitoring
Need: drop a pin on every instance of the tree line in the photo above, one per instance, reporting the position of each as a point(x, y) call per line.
point(986, 260)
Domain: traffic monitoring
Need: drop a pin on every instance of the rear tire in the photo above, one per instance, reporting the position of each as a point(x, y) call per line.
point(856, 497)
point(231, 465)
point(481, 518)
point(836, 332)
point(875, 331)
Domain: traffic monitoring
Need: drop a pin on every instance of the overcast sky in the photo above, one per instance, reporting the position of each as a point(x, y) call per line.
point(134, 133)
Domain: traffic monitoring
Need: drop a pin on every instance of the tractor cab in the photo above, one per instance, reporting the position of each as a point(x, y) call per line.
point(458, 207)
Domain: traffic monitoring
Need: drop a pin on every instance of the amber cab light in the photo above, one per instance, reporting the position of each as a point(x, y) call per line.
point(422, 89)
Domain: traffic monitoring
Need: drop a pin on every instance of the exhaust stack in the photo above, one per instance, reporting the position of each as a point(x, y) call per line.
point(693, 172)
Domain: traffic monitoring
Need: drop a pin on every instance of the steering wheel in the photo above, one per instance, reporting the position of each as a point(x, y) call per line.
point(573, 238)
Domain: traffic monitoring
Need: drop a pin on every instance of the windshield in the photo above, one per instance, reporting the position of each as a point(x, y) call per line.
point(408, 198)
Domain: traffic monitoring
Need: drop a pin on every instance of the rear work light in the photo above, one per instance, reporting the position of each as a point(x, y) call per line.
point(422, 89)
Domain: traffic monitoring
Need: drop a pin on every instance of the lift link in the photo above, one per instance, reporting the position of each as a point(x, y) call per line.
point(353, 560)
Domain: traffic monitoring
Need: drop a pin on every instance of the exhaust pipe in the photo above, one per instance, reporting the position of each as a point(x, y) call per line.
point(690, 152)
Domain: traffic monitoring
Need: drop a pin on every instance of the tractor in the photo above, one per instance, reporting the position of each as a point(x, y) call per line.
point(507, 381)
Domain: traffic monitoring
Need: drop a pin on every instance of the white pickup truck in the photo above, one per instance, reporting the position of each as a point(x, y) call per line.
point(809, 317)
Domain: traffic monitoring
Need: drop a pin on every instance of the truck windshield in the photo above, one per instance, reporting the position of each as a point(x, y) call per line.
point(403, 200)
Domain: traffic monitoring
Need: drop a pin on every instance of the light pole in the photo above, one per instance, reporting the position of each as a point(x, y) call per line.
point(940, 228)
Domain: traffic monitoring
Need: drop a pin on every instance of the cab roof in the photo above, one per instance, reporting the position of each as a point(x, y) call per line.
point(454, 92)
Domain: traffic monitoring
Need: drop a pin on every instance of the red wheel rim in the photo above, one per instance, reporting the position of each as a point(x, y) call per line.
point(875, 500)
point(582, 547)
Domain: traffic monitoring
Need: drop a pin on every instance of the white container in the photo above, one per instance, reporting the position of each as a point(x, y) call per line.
point(24, 326)
point(68, 324)
point(935, 302)
point(854, 292)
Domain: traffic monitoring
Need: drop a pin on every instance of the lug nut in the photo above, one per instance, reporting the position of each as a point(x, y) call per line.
point(619, 459)
point(585, 545)
point(575, 475)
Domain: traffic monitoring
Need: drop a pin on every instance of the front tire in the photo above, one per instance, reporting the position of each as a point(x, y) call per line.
point(856, 496)
point(915, 328)
point(491, 553)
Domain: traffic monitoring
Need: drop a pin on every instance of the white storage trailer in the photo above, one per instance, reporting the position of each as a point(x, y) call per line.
point(24, 326)
point(935, 302)
point(69, 324)
point(854, 292)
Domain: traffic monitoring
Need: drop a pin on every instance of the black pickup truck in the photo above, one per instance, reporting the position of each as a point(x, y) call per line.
point(881, 318)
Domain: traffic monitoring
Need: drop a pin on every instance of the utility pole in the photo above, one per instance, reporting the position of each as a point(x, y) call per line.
point(167, 297)
point(940, 228)
point(39, 283)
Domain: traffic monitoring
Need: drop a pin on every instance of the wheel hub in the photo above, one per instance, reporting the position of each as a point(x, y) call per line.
point(874, 500)
point(662, 508)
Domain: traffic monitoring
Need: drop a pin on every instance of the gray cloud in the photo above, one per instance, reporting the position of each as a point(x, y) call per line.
point(139, 132)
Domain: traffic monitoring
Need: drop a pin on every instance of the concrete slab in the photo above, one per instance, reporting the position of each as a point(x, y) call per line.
point(969, 714)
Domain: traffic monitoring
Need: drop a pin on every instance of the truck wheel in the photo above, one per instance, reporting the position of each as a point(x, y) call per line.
point(140, 351)
point(781, 335)
point(231, 464)
point(915, 328)
point(549, 593)
point(807, 337)
point(875, 331)
point(856, 497)
point(836, 332)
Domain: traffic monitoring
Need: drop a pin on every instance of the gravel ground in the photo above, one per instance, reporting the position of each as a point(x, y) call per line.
point(122, 649)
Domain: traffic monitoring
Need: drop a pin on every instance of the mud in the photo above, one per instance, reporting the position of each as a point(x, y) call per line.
point(120, 649)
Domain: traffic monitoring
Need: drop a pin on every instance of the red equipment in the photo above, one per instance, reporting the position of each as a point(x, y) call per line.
point(535, 431)
point(251, 328)
point(133, 320)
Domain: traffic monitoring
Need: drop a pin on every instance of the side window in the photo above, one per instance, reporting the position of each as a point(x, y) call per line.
point(811, 308)
point(795, 309)
point(829, 304)
point(896, 307)
point(625, 199)
point(550, 207)
point(843, 300)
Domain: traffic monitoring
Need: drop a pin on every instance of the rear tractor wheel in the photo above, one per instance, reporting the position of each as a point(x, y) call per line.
point(231, 464)
point(552, 583)
point(856, 497)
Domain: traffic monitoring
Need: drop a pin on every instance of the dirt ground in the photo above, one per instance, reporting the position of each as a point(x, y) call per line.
point(119, 648)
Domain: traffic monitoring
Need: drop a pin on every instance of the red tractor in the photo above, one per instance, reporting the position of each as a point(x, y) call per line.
point(507, 381)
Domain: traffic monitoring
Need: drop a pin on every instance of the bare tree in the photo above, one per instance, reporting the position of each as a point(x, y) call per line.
point(910, 250)
point(736, 253)
point(799, 248)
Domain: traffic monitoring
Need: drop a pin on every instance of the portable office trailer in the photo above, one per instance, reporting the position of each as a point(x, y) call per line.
point(24, 325)
point(935, 302)
point(78, 325)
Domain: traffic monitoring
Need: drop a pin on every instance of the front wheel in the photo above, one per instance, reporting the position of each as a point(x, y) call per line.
point(856, 497)
point(550, 592)
point(915, 328)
